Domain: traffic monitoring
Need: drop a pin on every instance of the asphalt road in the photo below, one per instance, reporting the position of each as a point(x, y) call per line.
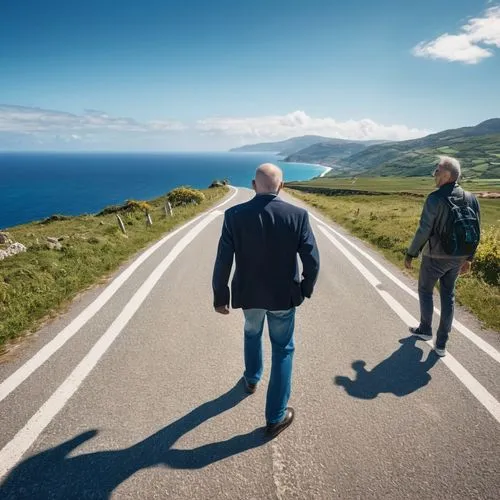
point(135, 391)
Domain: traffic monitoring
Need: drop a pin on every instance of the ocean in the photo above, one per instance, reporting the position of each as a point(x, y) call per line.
point(37, 185)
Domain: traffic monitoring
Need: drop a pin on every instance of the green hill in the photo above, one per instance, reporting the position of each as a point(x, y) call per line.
point(285, 148)
point(477, 148)
point(327, 152)
point(306, 144)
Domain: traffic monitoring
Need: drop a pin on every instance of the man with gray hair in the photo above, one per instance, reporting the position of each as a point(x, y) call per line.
point(449, 233)
point(265, 235)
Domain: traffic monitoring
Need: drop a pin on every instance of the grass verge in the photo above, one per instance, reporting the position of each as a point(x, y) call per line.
point(420, 186)
point(36, 284)
point(389, 222)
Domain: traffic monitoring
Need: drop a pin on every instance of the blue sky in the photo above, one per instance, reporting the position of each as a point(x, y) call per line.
point(164, 74)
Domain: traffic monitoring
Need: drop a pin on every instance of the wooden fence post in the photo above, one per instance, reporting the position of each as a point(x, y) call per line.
point(121, 224)
point(168, 209)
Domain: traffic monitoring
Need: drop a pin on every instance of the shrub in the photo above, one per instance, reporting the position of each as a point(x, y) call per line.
point(54, 218)
point(129, 206)
point(112, 209)
point(218, 183)
point(184, 196)
point(487, 258)
point(133, 205)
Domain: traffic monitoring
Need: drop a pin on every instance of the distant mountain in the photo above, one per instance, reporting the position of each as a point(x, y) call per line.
point(300, 144)
point(478, 149)
point(328, 152)
point(285, 148)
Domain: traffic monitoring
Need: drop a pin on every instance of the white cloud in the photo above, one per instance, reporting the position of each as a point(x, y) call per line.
point(24, 119)
point(166, 126)
point(452, 48)
point(467, 46)
point(299, 123)
point(22, 127)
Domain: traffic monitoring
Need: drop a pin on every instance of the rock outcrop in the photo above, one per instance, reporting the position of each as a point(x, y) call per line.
point(11, 250)
point(5, 239)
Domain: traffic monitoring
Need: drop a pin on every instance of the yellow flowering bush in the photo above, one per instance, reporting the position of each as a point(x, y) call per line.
point(138, 205)
point(487, 258)
point(184, 196)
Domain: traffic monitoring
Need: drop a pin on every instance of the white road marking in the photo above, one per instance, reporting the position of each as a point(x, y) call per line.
point(476, 389)
point(23, 372)
point(11, 453)
point(280, 474)
point(476, 339)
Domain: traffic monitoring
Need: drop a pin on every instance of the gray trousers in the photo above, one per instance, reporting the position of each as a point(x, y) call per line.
point(446, 270)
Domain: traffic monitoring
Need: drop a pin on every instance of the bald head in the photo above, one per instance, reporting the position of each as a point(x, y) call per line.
point(268, 179)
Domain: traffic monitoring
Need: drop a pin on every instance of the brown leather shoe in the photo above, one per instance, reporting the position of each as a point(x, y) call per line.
point(272, 430)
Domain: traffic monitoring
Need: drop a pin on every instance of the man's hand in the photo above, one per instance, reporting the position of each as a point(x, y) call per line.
point(222, 309)
point(465, 267)
point(408, 260)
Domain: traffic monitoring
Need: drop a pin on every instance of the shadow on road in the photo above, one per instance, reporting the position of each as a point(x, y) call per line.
point(402, 373)
point(53, 474)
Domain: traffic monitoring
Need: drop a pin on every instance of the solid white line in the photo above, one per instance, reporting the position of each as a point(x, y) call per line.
point(23, 372)
point(476, 389)
point(14, 450)
point(476, 339)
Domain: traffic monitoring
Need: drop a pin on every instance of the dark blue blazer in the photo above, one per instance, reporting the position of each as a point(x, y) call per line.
point(265, 235)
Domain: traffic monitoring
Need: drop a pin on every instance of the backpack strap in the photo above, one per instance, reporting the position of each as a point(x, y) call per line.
point(466, 200)
point(470, 199)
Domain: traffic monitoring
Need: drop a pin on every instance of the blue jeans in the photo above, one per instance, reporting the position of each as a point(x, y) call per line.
point(281, 325)
point(446, 270)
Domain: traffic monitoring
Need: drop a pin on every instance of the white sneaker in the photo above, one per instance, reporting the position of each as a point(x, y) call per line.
point(440, 352)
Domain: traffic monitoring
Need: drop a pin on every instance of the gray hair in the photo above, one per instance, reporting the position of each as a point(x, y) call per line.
point(452, 165)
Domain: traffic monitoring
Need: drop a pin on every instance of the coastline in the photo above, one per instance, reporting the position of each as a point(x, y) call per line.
point(122, 176)
point(327, 169)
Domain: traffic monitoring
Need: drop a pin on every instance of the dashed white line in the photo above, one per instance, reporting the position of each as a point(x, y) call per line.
point(23, 372)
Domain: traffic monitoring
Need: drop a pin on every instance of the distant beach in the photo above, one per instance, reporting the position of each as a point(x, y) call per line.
point(327, 169)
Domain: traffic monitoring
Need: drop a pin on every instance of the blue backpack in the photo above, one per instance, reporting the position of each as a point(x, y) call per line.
point(461, 232)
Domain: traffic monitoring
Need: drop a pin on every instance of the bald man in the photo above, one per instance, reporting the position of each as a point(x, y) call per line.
point(265, 235)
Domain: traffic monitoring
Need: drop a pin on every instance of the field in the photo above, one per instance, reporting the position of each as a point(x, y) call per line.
point(418, 185)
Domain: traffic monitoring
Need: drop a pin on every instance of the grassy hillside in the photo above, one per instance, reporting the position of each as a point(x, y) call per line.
point(37, 283)
point(327, 152)
point(478, 149)
point(479, 156)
